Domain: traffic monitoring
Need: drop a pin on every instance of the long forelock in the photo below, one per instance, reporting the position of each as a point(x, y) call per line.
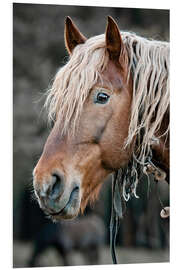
point(74, 81)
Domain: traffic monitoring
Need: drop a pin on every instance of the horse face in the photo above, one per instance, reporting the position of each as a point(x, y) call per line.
point(72, 168)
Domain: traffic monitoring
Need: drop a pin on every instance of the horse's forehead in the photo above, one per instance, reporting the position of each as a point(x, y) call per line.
point(111, 76)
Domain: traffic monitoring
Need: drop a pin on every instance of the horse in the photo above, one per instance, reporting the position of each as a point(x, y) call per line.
point(110, 108)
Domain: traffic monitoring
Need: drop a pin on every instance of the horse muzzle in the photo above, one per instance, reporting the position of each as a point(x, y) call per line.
point(58, 198)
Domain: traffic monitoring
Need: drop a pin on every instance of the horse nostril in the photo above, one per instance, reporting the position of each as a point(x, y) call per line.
point(57, 186)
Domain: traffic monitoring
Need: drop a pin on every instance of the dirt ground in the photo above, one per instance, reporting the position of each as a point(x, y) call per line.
point(50, 257)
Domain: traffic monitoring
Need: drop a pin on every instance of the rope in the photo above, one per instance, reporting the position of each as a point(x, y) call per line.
point(124, 183)
point(116, 214)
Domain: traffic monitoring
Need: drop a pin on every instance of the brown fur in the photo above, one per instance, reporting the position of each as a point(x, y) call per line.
point(96, 147)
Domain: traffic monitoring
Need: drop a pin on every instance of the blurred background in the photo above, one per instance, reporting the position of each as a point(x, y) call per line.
point(38, 51)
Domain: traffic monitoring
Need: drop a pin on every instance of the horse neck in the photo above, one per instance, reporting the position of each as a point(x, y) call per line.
point(161, 150)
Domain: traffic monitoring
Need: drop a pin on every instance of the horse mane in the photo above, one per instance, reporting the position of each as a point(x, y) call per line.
point(149, 65)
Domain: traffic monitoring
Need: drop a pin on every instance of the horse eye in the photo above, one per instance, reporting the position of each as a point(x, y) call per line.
point(102, 98)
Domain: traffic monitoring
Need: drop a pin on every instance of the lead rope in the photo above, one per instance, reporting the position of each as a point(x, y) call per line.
point(128, 177)
point(116, 213)
point(120, 182)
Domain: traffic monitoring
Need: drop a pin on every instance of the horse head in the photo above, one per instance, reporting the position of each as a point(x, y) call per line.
point(90, 102)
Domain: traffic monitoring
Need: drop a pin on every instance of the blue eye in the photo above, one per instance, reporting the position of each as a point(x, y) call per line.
point(102, 98)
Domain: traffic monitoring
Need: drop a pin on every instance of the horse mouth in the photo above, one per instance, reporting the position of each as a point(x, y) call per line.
point(71, 209)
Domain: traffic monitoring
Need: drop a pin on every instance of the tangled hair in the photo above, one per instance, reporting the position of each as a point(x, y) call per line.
point(74, 81)
point(149, 66)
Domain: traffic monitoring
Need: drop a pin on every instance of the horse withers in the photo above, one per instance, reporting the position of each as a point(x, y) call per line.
point(110, 106)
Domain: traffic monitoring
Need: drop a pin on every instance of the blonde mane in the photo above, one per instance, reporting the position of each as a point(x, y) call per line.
point(74, 81)
point(149, 65)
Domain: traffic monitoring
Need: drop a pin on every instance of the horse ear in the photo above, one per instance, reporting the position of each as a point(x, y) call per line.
point(114, 43)
point(72, 35)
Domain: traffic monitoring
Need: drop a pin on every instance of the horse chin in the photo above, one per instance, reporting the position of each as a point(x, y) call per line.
point(71, 210)
point(69, 213)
